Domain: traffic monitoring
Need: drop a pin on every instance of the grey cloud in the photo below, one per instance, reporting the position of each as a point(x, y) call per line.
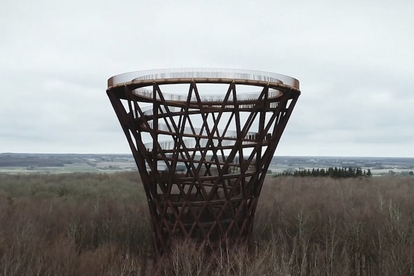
point(353, 59)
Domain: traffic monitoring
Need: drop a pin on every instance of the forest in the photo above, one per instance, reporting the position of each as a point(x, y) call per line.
point(330, 172)
point(98, 224)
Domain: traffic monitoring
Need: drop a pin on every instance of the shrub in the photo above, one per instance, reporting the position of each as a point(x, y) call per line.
point(92, 224)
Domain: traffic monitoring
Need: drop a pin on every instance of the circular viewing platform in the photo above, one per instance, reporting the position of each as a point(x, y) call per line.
point(200, 75)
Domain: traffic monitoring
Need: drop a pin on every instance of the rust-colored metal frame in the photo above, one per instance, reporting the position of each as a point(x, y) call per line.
point(203, 183)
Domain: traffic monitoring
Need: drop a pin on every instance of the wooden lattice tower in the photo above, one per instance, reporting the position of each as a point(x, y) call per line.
point(202, 156)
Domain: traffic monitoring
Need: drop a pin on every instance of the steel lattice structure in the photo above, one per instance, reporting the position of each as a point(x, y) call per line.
point(202, 156)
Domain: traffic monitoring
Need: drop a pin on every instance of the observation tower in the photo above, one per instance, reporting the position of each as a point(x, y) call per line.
point(202, 140)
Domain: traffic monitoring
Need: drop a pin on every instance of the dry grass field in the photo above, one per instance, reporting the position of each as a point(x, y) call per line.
point(97, 224)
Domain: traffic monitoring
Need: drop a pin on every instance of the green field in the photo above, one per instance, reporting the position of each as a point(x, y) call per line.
point(26, 163)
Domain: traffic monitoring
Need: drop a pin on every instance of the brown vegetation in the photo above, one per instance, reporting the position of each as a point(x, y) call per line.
point(97, 224)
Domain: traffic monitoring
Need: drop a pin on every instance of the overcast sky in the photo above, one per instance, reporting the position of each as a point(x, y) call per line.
point(354, 60)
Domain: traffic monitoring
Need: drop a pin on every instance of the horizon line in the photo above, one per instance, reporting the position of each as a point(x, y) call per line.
point(130, 154)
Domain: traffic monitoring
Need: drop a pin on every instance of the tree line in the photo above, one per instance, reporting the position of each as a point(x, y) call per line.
point(333, 172)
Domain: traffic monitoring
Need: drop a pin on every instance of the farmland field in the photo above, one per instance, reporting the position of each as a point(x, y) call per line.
point(97, 224)
point(26, 163)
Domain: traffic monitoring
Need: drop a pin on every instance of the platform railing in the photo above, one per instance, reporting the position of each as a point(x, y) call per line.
point(200, 73)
